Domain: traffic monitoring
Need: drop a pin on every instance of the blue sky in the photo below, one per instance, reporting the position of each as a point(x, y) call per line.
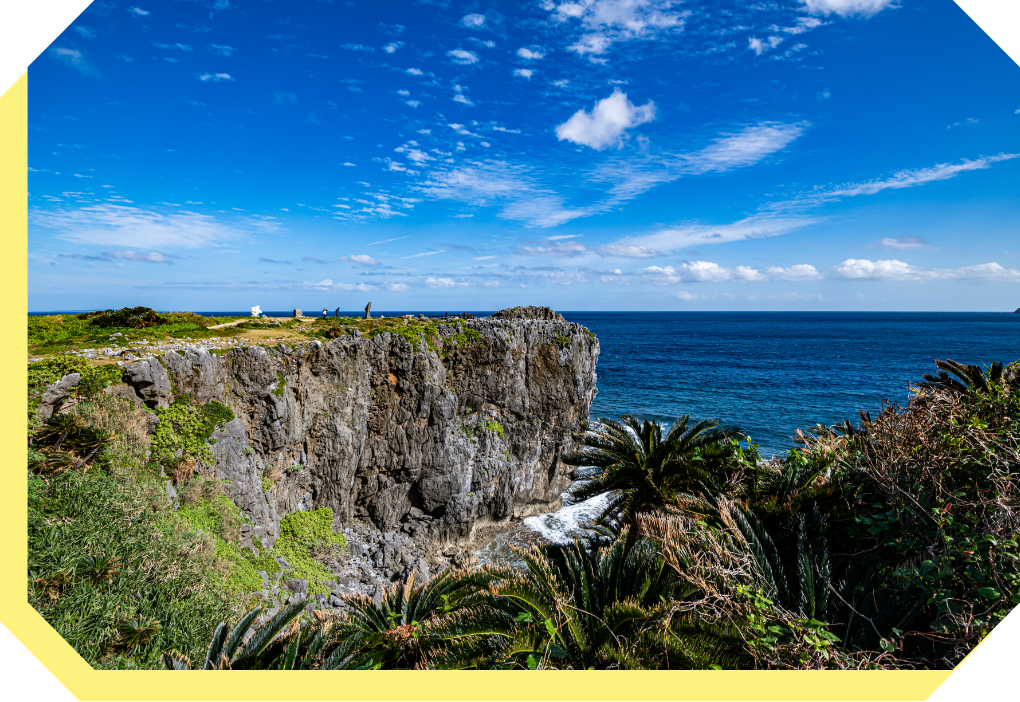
point(593, 155)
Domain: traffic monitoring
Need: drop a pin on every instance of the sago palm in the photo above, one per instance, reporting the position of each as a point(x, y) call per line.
point(641, 469)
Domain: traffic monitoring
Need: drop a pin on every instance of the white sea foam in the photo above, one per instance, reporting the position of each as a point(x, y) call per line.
point(564, 526)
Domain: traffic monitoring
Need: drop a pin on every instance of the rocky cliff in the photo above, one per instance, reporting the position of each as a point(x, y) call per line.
point(426, 438)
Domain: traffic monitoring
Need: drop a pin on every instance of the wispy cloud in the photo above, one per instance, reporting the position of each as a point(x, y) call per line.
point(213, 77)
point(123, 225)
point(222, 50)
point(132, 256)
point(847, 8)
point(74, 59)
point(606, 22)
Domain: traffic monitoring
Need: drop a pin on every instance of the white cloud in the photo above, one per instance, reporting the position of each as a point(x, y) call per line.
point(846, 8)
point(753, 227)
point(463, 57)
point(607, 123)
point(138, 12)
point(121, 225)
point(363, 259)
point(424, 253)
point(134, 256)
point(905, 243)
point(799, 272)
point(744, 148)
point(213, 77)
point(564, 249)
point(392, 46)
point(443, 283)
point(708, 272)
point(863, 269)
point(626, 251)
point(473, 21)
point(74, 59)
point(413, 103)
point(414, 71)
point(396, 287)
point(524, 73)
point(530, 54)
point(492, 284)
point(689, 297)
point(222, 50)
point(463, 99)
point(609, 21)
point(328, 284)
point(86, 31)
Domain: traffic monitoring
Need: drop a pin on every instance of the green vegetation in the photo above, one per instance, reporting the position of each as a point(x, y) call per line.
point(305, 539)
point(885, 544)
point(495, 428)
point(281, 385)
point(562, 341)
point(50, 370)
point(413, 330)
point(48, 334)
point(115, 570)
point(186, 427)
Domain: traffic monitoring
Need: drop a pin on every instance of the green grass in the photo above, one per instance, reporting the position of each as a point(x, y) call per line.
point(104, 548)
point(49, 334)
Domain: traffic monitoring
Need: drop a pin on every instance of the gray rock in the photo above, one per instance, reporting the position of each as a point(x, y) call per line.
point(56, 394)
point(171, 494)
point(150, 382)
point(299, 586)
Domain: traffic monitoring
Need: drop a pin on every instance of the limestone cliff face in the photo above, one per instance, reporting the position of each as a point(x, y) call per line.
point(432, 442)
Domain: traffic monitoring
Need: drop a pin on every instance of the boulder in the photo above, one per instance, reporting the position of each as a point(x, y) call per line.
point(56, 394)
point(150, 382)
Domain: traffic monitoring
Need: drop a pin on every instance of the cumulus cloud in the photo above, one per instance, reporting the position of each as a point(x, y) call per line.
point(863, 269)
point(123, 225)
point(86, 31)
point(213, 77)
point(799, 272)
point(463, 57)
point(530, 54)
point(607, 123)
point(363, 259)
point(396, 287)
point(473, 20)
point(847, 8)
point(222, 50)
point(708, 272)
point(524, 73)
point(392, 46)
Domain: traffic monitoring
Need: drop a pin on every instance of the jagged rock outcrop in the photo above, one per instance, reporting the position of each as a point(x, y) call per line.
point(56, 394)
point(427, 443)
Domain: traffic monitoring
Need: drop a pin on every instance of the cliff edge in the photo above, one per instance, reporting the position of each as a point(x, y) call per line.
point(430, 432)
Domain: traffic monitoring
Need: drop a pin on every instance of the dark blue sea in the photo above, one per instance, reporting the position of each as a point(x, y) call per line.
point(771, 373)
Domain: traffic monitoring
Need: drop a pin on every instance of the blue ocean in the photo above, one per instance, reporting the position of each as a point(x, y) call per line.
point(771, 373)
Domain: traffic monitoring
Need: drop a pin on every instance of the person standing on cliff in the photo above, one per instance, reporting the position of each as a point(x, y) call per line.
point(324, 313)
point(337, 311)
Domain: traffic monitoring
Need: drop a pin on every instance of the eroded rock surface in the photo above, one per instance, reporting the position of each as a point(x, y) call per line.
point(425, 444)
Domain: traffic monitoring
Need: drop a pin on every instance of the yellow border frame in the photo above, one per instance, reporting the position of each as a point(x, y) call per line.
point(88, 684)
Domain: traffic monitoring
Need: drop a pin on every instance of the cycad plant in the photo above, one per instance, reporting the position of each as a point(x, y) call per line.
point(642, 469)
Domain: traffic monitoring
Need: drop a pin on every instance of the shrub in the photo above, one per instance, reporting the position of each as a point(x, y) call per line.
point(305, 535)
point(185, 427)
